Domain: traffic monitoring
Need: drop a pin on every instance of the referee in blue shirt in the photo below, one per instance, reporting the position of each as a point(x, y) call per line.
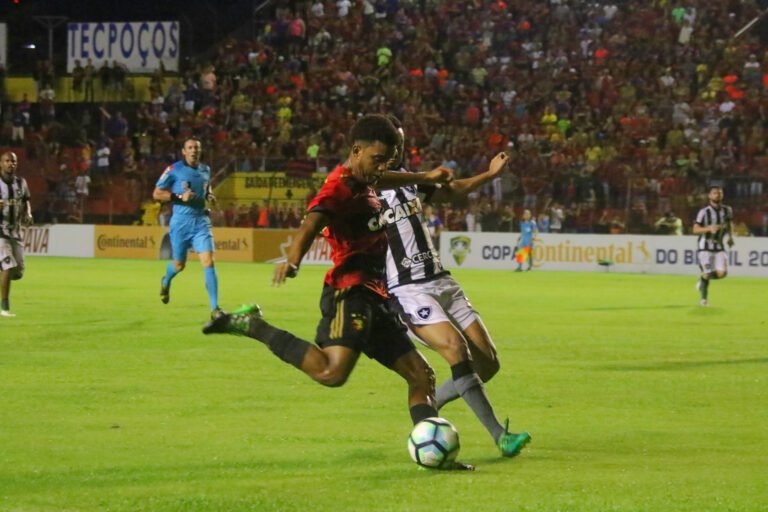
point(187, 185)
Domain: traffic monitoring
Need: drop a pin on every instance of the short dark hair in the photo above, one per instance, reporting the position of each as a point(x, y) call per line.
point(713, 187)
point(193, 138)
point(373, 128)
point(395, 121)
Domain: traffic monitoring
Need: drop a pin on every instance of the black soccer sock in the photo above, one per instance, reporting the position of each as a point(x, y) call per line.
point(471, 389)
point(421, 412)
point(6, 304)
point(704, 289)
point(283, 344)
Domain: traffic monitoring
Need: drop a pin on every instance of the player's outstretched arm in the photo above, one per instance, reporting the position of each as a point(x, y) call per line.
point(391, 179)
point(313, 223)
point(465, 186)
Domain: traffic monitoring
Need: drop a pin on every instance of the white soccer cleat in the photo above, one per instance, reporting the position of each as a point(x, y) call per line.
point(7, 313)
point(703, 302)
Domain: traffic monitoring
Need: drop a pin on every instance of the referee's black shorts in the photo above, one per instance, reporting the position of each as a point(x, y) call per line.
point(360, 319)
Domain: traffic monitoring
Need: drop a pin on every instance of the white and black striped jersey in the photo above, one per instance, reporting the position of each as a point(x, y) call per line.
point(411, 255)
point(14, 197)
point(709, 215)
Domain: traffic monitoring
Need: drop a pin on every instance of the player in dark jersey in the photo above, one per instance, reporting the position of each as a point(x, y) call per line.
point(355, 313)
point(433, 304)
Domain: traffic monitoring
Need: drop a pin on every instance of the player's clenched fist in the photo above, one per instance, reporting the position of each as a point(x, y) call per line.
point(439, 175)
point(498, 163)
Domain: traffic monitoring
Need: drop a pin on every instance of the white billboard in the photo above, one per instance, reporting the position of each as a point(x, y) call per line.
point(584, 253)
point(4, 45)
point(73, 240)
point(140, 46)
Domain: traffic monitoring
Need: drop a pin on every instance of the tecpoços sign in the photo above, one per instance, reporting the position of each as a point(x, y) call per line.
point(140, 46)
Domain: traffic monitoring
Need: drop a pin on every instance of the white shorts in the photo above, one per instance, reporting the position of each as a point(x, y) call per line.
point(12, 256)
point(709, 260)
point(431, 302)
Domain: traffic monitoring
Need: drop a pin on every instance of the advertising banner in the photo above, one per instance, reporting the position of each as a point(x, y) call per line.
point(258, 186)
point(153, 242)
point(71, 240)
point(137, 242)
point(140, 46)
point(588, 253)
point(233, 244)
point(270, 245)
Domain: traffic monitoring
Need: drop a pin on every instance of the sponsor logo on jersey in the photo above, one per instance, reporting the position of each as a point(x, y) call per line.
point(419, 258)
point(395, 214)
point(424, 312)
point(358, 322)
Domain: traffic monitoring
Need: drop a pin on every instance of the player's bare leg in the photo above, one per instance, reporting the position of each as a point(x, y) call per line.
point(5, 290)
point(483, 351)
point(421, 384)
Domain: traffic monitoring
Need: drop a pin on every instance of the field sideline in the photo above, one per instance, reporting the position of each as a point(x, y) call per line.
point(637, 399)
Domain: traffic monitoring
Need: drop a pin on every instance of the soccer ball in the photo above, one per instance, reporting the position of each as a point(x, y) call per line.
point(433, 443)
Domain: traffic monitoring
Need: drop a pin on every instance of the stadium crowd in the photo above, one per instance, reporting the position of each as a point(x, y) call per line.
point(614, 112)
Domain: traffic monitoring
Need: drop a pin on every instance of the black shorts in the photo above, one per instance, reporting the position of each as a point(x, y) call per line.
point(360, 319)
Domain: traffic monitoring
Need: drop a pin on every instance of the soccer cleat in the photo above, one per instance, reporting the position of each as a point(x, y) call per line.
point(7, 313)
point(237, 322)
point(703, 302)
point(165, 291)
point(510, 444)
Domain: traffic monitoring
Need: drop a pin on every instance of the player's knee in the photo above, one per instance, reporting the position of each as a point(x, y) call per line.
point(456, 348)
point(179, 265)
point(721, 275)
point(486, 369)
point(332, 378)
point(421, 377)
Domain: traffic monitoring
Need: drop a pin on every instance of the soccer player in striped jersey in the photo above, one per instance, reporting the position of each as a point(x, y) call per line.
point(432, 303)
point(356, 317)
point(712, 224)
point(15, 211)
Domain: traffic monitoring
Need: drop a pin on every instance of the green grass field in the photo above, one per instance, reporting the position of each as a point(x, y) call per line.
point(637, 398)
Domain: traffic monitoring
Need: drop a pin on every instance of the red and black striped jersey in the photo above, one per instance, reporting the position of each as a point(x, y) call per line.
point(358, 244)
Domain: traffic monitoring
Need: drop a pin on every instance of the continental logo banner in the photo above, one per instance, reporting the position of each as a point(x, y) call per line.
point(154, 242)
point(233, 244)
point(137, 242)
point(258, 186)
